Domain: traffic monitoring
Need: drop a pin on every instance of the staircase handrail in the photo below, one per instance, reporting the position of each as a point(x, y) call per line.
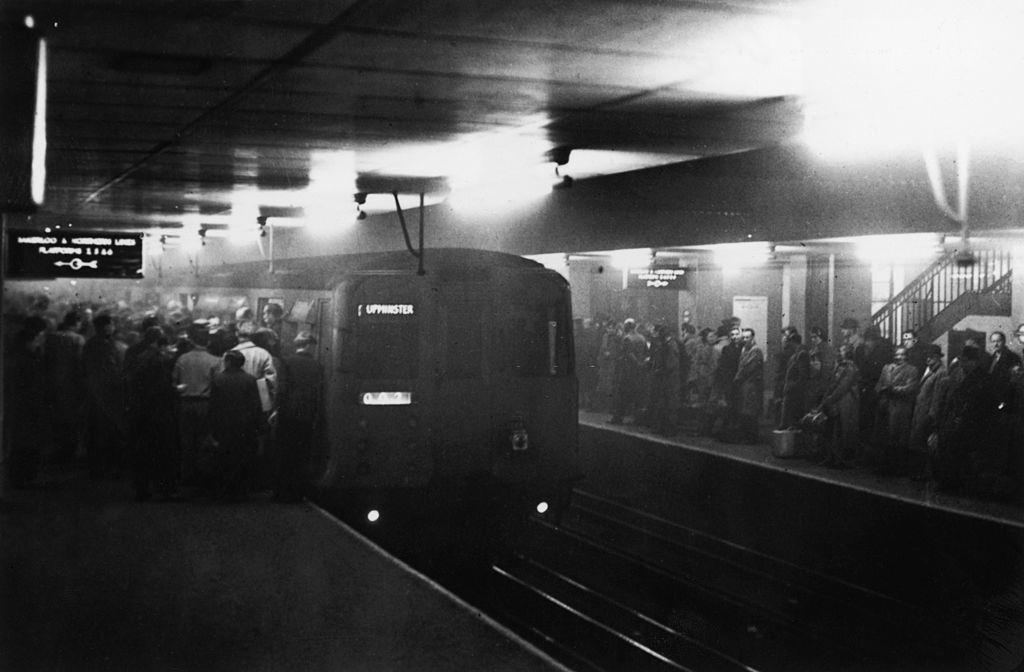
point(926, 276)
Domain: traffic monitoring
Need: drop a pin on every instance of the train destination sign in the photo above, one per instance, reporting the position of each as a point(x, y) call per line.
point(388, 309)
point(657, 278)
point(82, 254)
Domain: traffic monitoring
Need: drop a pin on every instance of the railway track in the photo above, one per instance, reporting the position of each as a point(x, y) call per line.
point(612, 589)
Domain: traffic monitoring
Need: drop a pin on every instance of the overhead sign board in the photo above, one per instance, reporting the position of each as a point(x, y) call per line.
point(657, 278)
point(83, 254)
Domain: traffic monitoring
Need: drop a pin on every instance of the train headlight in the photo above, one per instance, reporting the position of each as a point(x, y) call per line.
point(373, 515)
point(520, 440)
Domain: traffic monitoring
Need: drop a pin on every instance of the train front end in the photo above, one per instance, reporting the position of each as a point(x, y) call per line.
point(453, 392)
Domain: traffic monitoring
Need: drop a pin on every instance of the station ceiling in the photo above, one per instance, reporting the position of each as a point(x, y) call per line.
point(159, 110)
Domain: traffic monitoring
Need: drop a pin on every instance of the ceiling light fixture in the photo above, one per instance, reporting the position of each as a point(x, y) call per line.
point(560, 157)
point(360, 199)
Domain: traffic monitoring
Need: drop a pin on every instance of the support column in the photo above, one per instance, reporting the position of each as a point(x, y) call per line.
point(794, 293)
point(579, 273)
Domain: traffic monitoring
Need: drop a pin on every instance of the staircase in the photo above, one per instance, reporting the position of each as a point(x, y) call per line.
point(947, 292)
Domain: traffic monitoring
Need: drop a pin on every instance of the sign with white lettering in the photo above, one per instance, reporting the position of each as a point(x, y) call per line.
point(83, 254)
point(384, 309)
point(657, 278)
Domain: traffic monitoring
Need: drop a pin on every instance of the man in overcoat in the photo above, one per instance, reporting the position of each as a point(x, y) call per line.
point(750, 387)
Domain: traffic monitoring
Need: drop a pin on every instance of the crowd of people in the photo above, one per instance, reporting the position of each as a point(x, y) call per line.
point(893, 409)
point(182, 405)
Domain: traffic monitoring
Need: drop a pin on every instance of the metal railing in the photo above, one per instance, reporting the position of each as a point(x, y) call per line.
point(938, 286)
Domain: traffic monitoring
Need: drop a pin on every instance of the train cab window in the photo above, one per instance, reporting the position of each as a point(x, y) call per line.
point(386, 342)
point(536, 341)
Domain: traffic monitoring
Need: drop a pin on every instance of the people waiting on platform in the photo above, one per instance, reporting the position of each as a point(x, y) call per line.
point(957, 428)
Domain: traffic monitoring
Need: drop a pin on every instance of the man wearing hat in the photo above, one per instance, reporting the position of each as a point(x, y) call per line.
point(927, 412)
point(297, 417)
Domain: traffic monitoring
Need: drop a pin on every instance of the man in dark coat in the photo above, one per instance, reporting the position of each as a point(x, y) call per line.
point(298, 415)
point(151, 417)
point(749, 381)
point(964, 430)
point(629, 371)
point(782, 360)
point(65, 391)
point(796, 383)
point(870, 356)
point(236, 420)
point(103, 366)
point(25, 422)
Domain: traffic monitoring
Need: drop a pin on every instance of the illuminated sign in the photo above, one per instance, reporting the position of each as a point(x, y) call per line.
point(372, 309)
point(386, 398)
point(83, 254)
point(657, 278)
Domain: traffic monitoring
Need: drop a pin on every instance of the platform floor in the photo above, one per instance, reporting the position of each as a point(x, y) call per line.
point(92, 580)
point(901, 488)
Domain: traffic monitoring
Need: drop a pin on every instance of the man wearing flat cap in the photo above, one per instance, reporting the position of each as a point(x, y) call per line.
point(927, 412)
point(298, 415)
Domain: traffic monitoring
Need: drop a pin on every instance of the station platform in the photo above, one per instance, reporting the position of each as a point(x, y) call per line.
point(902, 489)
point(888, 546)
point(93, 580)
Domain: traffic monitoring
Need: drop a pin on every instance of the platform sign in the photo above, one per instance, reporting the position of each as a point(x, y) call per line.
point(82, 254)
point(669, 277)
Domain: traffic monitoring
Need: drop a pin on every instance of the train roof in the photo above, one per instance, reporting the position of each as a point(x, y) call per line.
point(325, 271)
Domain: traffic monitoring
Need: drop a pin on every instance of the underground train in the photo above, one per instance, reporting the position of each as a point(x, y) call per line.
point(449, 386)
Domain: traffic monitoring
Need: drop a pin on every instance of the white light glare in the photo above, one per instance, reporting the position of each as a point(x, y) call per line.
point(542, 507)
point(732, 257)
point(896, 248)
point(38, 184)
point(637, 258)
point(881, 76)
point(373, 515)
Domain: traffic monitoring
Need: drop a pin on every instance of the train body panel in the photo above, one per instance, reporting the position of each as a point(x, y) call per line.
point(458, 383)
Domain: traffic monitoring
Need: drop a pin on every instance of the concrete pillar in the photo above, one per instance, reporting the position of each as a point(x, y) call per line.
point(579, 273)
point(794, 293)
